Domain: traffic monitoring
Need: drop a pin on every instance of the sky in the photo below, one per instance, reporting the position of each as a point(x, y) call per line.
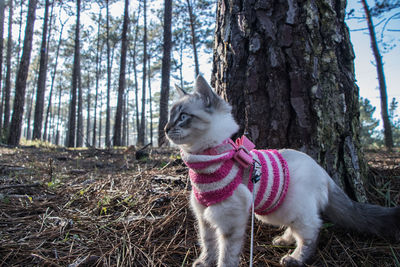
point(365, 69)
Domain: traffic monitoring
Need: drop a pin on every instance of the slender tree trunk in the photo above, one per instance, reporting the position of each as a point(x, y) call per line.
point(28, 116)
point(108, 110)
point(387, 126)
point(98, 69)
point(75, 80)
point(124, 121)
point(20, 29)
point(122, 81)
point(2, 8)
point(22, 75)
point(141, 134)
point(192, 21)
point(7, 90)
point(58, 116)
point(150, 102)
point(165, 71)
point(41, 86)
point(134, 65)
point(294, 63)
point(88, 101)
point(79, 125)
point(53, 77)
point(100, 118)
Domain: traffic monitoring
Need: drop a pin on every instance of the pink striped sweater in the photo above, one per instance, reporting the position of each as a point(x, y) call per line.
point(215, 174)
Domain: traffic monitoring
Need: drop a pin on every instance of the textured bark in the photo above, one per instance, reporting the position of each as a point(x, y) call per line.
point(75, 80)
point(22, 75)
point(165, 71)
point(387, 126)
point(142, 128)
point(121, 81)
point(7, 89)
point(41, 85)
point(287, 69)
point(79, 124)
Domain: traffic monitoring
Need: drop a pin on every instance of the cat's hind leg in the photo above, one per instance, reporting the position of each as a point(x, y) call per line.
point(306, 235)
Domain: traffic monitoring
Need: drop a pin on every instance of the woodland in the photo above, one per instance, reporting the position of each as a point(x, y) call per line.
point(87, 177)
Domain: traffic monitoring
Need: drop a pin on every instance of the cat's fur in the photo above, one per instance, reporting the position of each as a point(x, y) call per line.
point(203, 120)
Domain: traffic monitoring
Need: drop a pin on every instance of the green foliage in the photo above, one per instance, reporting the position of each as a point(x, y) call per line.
point(370, 136)
point(395, 120)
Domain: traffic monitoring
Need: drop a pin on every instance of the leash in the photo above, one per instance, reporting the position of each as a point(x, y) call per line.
point(255, 177)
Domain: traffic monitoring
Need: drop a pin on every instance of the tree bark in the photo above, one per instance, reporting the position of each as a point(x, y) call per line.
point(121, 81)
point(41, 86)
point(142, 129)
point(287, 70)
point(165, 71)
point(75, 80)
point(22, 75)
point(387, 126)
point(79, 124)
point(7, 90)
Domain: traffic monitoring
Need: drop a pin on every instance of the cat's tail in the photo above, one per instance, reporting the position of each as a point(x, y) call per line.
point(366, 218)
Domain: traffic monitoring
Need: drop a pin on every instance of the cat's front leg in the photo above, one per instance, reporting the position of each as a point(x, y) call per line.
point(230, 218)
point(207, 237)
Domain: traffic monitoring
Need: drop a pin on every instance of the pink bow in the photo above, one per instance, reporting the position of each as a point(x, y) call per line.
point(243, 146)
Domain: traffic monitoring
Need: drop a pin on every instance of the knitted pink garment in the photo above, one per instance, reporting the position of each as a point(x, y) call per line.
point(215, 176)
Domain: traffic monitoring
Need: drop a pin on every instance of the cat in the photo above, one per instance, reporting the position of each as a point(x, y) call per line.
point(201, 124)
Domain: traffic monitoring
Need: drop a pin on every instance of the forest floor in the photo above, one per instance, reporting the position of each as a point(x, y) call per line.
point(92, 207)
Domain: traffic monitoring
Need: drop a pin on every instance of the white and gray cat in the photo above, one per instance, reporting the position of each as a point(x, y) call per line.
point(203, 120)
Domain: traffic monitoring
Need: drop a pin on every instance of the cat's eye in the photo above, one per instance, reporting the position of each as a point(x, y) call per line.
point(183, 116)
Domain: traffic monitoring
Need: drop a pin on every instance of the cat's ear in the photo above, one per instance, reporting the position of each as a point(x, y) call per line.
point(205, 91)
point(181, 92)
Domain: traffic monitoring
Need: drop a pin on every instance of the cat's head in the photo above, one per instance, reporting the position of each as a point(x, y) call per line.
point(200, 120)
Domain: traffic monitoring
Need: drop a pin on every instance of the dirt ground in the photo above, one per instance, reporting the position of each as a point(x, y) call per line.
point(93, 207)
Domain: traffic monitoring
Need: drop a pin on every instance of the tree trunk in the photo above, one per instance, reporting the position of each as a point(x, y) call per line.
point(41, 86)
point(121, 82)
point(53, 77)
point(150, 101)
point(192, 21)
point(75, 80)
point(141, 131)
point(20, 28)
point(387, 126)
point(2, 8)
point(165, 71)
point(79, 124)
point(7, 90)
point(288, 72)
point(98, 69)
point(22, 75)
point(108, 110)
point(88, 101)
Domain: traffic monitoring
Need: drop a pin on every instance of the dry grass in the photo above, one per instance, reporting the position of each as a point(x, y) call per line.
point(105, 208)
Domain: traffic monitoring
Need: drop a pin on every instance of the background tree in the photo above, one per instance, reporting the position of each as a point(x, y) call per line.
point(368, 131)
point(20, 84)
point(122, 82)
point(75, 81)
point(293, 62)
point(381, 78)
point(142, 126)
point(7, 89)
point(165, 72)
point(41, 86)
point(2, 8)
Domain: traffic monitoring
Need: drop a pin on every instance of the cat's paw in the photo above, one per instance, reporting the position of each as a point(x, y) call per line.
point(281, 241)
point(289, 261)
point(200, 263)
